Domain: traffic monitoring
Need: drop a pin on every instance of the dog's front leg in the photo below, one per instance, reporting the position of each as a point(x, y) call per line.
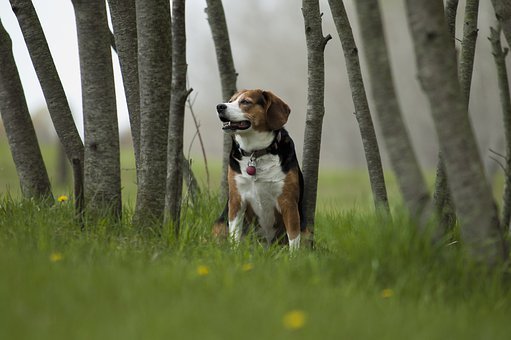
point(291, 218)
point(236, 218)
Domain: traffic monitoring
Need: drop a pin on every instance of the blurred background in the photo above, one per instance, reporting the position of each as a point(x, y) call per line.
point(268, 43)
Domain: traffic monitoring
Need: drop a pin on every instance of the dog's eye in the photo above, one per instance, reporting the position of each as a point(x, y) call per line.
point(244, 102)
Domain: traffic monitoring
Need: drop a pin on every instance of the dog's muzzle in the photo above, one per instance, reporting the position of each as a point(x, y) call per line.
point(221, 109)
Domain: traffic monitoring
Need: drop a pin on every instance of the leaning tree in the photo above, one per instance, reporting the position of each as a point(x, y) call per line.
point(19, 128)
point(362, 113)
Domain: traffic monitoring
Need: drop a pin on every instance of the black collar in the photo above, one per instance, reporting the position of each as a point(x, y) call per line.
point(258, 153)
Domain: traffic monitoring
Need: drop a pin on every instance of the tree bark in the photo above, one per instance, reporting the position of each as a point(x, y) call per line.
point(505, 100)
point(444, 205)
point(451, 9)
point(19, 129)
point(102, 177)
point(443, 200)
point(49, 79)
point(503, 13)
point(399, 146)
point(155, 71)
point(362, 112)
point(79, 192)
point(228, 75)
point(174, 192)
point(436, 61)
point(316, 43)
point(124, 22)
point(468, 48)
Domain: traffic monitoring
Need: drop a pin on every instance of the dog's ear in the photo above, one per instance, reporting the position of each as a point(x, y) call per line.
point(277, 111)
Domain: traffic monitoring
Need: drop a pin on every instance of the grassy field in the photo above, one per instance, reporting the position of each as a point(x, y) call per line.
point(368, 278)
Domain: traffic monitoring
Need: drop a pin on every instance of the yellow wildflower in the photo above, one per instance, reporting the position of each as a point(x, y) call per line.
point(202, 270)
point(56, 257)
point(294, 319)
point(387, 293)
point(62, 198)
point(247, 267)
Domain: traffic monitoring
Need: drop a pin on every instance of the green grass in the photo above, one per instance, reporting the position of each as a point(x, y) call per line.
point(367, 278)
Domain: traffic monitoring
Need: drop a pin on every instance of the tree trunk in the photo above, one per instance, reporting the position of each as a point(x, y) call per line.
point(177, 114)
point(505, 100)
point(228, 75)
point(399, 146)
point(102, 176)
point(19, 128)
point(503, 13)
point(78, 188)
point(51, 85)
point(316, 43)
point(444, 205)
point(468, 48)
point(436, 60)
point(451, 9)
point(443, 200)
point(124, 22)
point(362, 112)
point(155, 70)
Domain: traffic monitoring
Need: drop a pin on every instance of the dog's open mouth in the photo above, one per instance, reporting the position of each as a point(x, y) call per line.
point(229, 125)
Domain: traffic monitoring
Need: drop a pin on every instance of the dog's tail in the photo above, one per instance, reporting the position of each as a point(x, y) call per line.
point(220, 229)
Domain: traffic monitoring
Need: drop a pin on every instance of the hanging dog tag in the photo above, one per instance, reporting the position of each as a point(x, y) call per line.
point(251, 167)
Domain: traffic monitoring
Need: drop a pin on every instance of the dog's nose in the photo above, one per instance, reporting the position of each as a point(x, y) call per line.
point(220, 108)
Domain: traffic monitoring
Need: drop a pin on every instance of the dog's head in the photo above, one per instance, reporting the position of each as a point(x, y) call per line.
point(253, 110)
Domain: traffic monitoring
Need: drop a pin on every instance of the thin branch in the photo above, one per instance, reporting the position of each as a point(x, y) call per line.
point(199, 135)
point(497, 153)
point(502, 166)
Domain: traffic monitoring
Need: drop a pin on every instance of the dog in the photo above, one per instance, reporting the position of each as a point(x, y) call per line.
point(264, 178)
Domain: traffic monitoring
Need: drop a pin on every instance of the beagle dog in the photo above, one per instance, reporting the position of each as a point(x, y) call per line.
point(264, 178)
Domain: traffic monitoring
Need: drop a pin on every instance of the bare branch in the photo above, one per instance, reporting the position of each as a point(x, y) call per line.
point(502, 166)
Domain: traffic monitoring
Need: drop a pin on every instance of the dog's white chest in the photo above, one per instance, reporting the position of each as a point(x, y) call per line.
point(262, 190)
